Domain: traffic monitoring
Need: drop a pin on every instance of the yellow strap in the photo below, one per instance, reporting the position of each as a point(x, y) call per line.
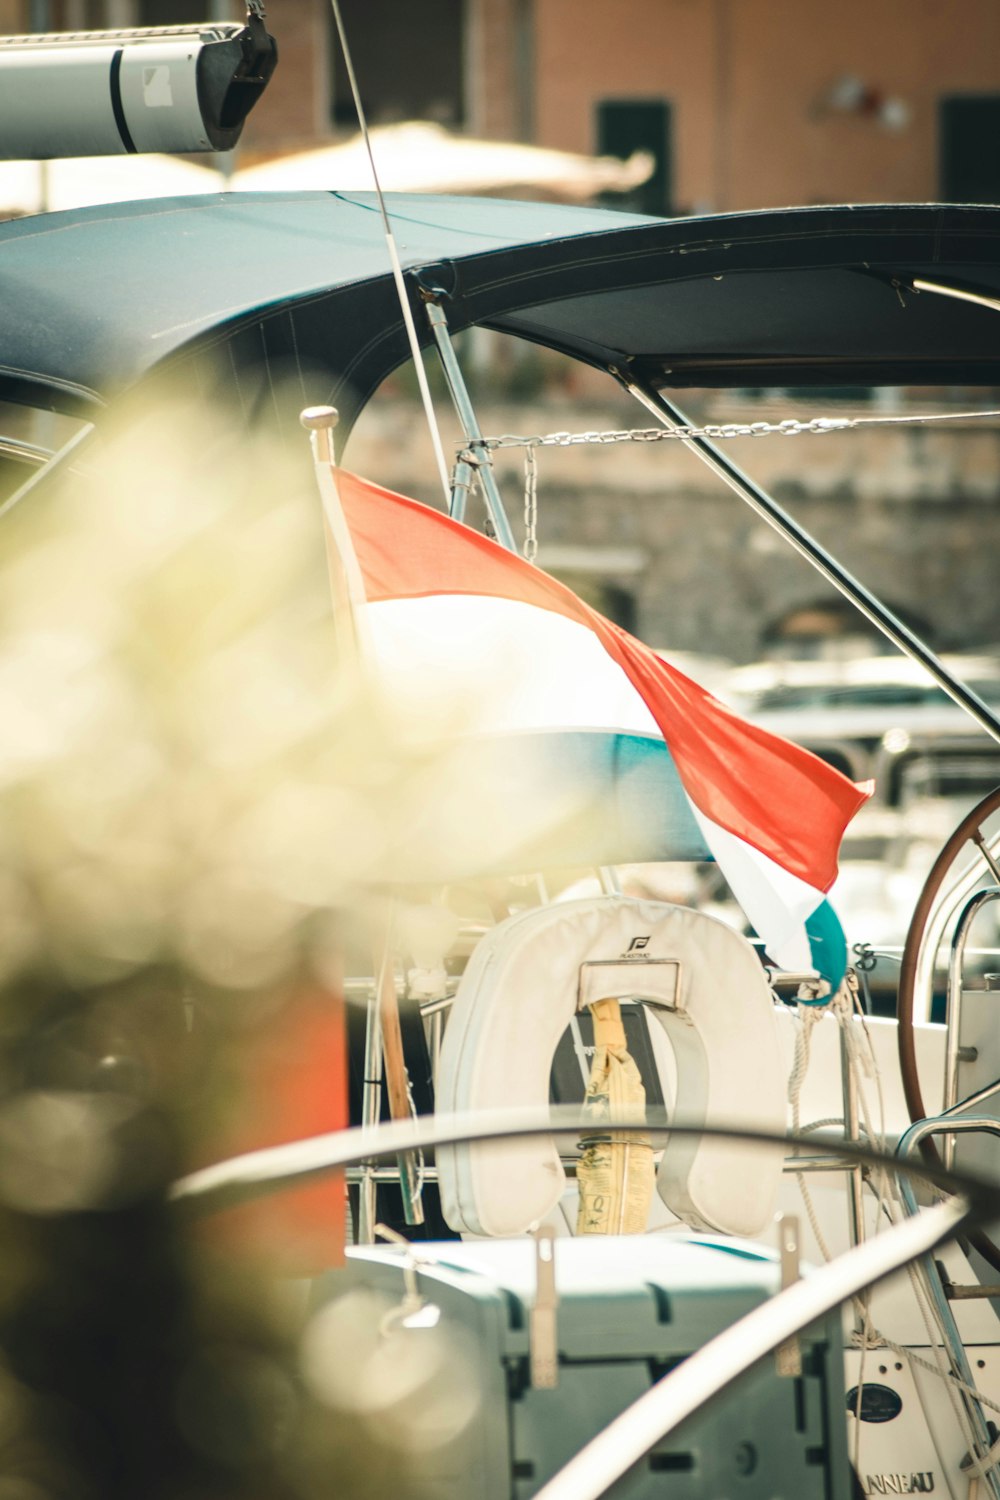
point(615, 1172)
point(609, 1030)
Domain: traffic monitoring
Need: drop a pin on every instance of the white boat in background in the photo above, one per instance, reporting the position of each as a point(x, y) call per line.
point(884, 718)
point(878, 717)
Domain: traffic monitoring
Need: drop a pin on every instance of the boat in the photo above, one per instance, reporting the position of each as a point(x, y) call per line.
point(883, 718)
point(572, 1361)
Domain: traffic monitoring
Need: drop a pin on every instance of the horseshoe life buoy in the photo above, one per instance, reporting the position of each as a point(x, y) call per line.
point(706, 987)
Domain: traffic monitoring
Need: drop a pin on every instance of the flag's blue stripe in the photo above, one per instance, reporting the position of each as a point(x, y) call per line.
point(827, 944)
point(628, 802)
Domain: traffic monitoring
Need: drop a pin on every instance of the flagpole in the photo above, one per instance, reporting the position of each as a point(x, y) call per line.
point(385, 1056)
point(346, 584)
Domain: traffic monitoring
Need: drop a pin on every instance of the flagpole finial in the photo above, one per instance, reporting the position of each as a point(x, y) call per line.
point(315, 418)
point(320, 422)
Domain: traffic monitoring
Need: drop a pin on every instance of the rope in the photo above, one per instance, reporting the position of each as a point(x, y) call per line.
point(959, 1413)
point(870, 1337)
point(861, 1058)
point(935, 1333)
point(954, 1382)
point(809, 1015)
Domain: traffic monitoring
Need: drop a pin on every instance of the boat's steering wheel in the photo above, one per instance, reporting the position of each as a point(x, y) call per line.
point(968, 831)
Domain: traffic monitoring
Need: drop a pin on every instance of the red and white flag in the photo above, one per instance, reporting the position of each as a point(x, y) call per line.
point(551, 709)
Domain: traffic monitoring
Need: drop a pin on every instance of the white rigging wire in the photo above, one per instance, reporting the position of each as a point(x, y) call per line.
point(397, 270)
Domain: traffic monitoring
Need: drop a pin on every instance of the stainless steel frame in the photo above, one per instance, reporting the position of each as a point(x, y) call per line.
point(943, 910)
point(482, 461)
point(953, 1014)
point(758, 500)
point(710, 1370)
point(947, 1121)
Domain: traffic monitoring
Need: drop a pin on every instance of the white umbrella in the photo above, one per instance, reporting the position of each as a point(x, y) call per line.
point(420, 157)
point(29, 187)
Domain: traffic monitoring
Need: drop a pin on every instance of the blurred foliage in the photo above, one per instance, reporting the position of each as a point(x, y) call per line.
point(189, 792)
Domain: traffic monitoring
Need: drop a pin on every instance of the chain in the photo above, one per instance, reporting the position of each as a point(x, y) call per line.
point(721, 431)
point(530, 504)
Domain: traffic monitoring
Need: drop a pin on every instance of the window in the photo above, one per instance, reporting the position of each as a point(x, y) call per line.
point(407, 59)
point(969, 163)
point(627, 125)
point(609, 599)
point(163, 13)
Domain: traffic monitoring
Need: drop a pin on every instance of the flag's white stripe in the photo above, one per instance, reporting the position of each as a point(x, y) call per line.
point(776, 902)
point(439, 672)
point(552, 673)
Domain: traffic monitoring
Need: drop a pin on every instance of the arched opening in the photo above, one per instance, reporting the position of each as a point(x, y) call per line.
point(834, 629)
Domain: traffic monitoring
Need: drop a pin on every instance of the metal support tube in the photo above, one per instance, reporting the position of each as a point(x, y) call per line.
point(431, 1008)
point(974, 1100)
point(822, 561)
point(371, 1109)
point(953, 1013)
point(711, 1369)
point(259, 1172)
point(59, 460)
point(988, 855)
point(815, 1164)
point(470, 426)
point(384, 1174)
point(580, 1050)
point(461, 484)
point(944, 908)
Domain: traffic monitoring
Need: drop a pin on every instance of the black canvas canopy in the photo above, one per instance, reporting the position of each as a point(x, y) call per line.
point(96, 300)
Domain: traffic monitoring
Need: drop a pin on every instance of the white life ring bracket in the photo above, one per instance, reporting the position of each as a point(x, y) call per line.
point(526, 981)
point(656, 982)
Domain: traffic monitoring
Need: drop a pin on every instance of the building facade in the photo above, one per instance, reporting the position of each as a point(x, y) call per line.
point(743, 104)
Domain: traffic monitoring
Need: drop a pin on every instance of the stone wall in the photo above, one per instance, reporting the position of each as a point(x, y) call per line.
point(911, 512)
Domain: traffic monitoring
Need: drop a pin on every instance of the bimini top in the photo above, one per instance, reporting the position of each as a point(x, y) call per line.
point(95, 300)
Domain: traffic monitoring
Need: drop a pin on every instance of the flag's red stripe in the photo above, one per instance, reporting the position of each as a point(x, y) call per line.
point(406, 551)
point(776, 796)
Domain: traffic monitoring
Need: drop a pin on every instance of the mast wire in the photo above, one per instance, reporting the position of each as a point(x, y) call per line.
point(397, 270)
